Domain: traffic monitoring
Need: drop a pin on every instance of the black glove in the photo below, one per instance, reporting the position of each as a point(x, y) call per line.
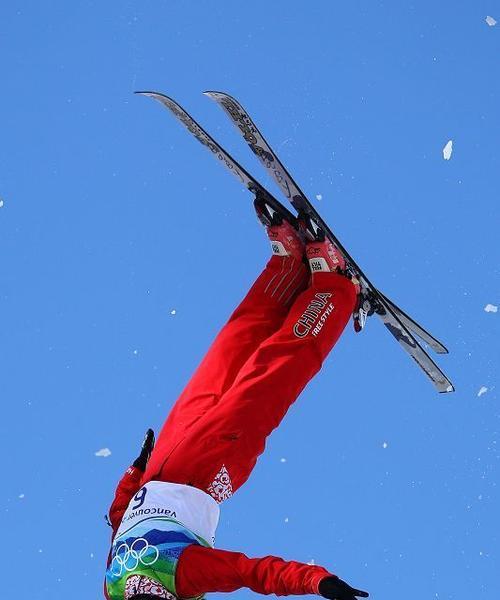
point(147, 447)
point(335, 589)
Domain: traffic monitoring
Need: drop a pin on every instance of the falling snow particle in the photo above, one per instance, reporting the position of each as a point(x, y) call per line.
point(491, 308)
point(103, 452)
point(311, 562)
point(319, 197)
point(491, 21)
point(283, 460)
point(286, 520)
point(447, 150)
point(482, 391)
point(384, 445)
point(91, 555)
point(135, 352)
point(21, 496)
point(1, 203)
point(173, 312)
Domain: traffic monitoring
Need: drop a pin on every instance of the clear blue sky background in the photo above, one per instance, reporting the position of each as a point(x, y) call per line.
point(113, 217)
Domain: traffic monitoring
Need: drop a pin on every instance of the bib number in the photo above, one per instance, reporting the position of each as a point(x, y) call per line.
point(139, 498)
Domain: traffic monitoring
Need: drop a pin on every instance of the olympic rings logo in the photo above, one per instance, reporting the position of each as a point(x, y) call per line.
point(127, 558)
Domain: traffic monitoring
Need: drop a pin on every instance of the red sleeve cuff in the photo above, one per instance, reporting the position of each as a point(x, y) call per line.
point(316, 579)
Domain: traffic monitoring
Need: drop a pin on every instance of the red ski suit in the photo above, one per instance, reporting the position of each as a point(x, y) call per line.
point(273, 344)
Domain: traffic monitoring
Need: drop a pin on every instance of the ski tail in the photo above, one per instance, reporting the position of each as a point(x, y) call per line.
point(391, 319)
point(413, 348)
point(412, 325)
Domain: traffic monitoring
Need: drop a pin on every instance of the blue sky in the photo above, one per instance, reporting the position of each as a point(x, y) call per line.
point(112, 217)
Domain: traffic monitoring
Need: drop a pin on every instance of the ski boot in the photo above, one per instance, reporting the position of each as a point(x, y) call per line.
point(285, 237)
point(366, 306)
point(324, 256)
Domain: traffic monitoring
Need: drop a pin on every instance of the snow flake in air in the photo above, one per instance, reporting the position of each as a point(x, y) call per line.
point(447, 150)
point(482, 391)
point(384, 445)
point(283, 460)
point(173, 312)
point(1, 203)
point(319, 197)
point(21, 496)
point(491, 21)
point(491, 308)
point(104, 452)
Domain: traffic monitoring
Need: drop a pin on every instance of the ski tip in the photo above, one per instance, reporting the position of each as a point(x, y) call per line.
point(163, 98)
point(148, 93)
point(157, 95)
point(214, 95)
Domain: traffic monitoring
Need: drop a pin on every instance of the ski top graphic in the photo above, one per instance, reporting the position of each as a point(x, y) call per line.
point(224, 157)
point(260, 147)
point(396, 321)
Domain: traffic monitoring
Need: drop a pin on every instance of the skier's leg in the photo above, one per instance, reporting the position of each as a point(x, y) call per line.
point(220, 451)
point(259, 315)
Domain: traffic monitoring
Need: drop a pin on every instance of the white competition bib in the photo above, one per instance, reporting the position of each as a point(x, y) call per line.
point(188, 505)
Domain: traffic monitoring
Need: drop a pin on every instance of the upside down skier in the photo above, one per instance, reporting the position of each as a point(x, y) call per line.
point(166, 507)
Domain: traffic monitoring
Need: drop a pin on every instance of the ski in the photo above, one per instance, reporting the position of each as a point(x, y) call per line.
point(227, 160)
point(306, 211)
point(396, 321)
point(292, 192)
point(424, 335)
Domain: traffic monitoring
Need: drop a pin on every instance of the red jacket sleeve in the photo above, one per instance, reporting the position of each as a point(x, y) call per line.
point(201, 570)
point(127, 487)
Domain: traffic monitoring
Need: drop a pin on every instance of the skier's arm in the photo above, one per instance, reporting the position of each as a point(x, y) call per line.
point(201, 570)
point(130, 482)
point(126, 488)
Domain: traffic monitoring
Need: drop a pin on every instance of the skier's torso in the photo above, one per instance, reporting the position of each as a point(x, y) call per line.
point(161, 520)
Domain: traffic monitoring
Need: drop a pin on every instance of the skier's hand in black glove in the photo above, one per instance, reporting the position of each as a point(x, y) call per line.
point(335, 589)
point(147, 447)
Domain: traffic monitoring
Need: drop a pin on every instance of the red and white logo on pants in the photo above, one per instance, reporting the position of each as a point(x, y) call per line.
point(221, 487)
point(315, 315)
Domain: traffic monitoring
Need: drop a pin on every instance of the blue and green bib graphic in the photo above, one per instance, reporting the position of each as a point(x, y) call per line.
point(152, 548)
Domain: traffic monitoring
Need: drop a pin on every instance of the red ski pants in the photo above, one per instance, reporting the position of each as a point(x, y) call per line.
point(273, 344)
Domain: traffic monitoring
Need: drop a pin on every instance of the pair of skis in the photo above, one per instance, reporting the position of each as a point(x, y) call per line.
point(398, 323)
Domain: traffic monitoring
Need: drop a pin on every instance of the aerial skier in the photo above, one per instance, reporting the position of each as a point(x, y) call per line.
point(166, 507)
